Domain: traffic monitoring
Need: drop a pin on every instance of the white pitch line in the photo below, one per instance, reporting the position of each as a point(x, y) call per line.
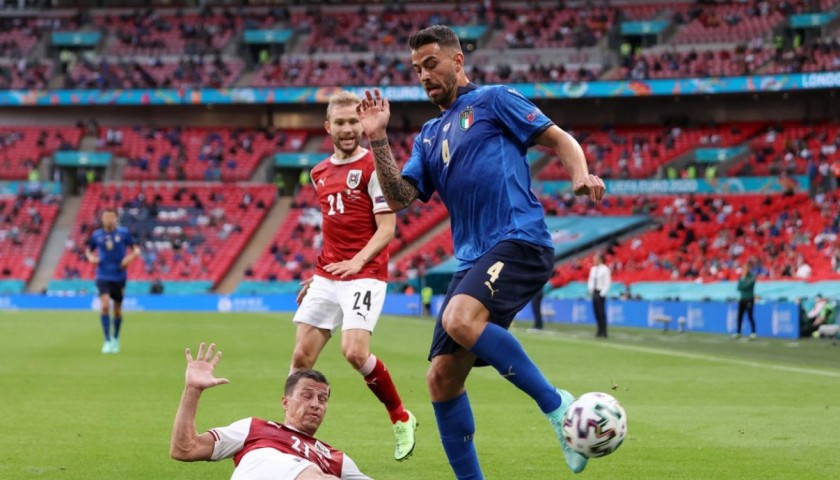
point(697, 356)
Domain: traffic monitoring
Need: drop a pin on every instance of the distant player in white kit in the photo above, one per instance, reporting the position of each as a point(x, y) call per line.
point(350, 282)
point(262, 449)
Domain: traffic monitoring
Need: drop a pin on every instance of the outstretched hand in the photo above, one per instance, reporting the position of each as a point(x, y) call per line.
point(374, 113)
point(200, 371)
point(591, 185)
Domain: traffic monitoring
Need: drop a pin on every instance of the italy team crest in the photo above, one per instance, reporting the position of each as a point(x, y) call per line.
point(467, 118)
point(354, 178)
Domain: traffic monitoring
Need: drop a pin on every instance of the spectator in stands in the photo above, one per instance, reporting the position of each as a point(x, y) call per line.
point(746, 303)
point(599, 286)
point(803, 270)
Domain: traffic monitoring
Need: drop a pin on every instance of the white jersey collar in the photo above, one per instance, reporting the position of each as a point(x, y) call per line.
point(345, 161)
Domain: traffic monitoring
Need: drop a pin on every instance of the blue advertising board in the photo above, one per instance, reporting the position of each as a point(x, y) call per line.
point(744, 185)
point(75, 39)
point(775, 319)
point(281, 35)
point(414, 93)
point(639, 28)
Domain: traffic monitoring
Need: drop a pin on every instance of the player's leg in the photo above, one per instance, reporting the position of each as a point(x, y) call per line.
point(483, 306)
point(318, 316)
point(309, 341)
point(361, 303)
point(453, 412)
point(742, 306)
point(117, 294)
point(751, 317)
point(104, 314)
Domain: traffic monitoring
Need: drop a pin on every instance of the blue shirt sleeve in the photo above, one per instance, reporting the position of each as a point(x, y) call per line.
point(91, 243)
point(415, 171)
point(129, 239)
point(519, 116)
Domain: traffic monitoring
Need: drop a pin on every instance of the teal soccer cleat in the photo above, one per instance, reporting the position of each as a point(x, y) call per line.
point(574, 460)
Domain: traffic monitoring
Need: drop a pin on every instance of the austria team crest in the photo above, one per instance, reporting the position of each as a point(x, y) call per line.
point(354, 178)
point(467, 118)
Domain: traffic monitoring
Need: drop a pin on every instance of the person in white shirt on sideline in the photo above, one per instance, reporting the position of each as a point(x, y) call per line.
point(598, 286)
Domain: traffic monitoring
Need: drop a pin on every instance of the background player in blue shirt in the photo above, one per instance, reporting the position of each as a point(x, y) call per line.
point(474, 155)
point(111, 248)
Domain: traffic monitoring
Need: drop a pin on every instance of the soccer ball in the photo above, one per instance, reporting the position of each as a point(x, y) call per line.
point(595, 424)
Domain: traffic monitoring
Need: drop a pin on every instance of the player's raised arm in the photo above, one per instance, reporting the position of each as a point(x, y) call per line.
point(574, 161)
point(186, 444)
point(374, 113)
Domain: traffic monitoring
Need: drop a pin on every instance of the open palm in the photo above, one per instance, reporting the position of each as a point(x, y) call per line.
point(200, 370)
point(374, 112)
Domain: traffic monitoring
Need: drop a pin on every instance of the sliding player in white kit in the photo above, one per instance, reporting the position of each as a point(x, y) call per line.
point(350, 282)
point(261, 449)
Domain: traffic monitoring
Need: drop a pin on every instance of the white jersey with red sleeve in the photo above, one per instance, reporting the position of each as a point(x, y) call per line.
point(267, 449)
point(350, 197)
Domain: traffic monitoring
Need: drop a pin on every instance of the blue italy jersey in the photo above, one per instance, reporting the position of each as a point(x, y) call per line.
point(474, 156)
point(111, 248)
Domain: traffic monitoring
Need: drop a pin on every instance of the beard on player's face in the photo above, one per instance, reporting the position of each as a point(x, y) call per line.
point(442, 91)
point(346, 143)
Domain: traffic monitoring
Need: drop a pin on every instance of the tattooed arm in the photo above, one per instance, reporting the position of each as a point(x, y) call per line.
point(398, 191)
point(374, 113)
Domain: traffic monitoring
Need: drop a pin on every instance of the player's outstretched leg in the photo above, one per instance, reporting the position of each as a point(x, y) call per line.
point(500, 349)
point(404, 423)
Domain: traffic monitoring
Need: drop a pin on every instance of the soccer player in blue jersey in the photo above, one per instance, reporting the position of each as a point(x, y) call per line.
point(474, 155)
point(111, 248)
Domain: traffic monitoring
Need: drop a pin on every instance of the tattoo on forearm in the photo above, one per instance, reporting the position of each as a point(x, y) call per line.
point(394, 187)
point(379, 143)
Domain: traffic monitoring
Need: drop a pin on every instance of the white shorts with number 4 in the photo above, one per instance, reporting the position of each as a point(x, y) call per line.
point(351, 304)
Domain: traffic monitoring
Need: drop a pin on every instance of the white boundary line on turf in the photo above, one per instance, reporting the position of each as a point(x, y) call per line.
point(696, 356)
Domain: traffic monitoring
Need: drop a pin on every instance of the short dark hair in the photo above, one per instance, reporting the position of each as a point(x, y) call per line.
point(110, 209)
point(440, 34)
point(295, 377)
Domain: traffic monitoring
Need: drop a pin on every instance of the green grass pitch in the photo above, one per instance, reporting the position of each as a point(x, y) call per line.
point(699, 406)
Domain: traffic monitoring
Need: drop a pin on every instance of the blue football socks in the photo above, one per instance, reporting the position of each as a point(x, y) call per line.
point(457, 427)
point(106, 326)
point(500, 349)
point(117, 324)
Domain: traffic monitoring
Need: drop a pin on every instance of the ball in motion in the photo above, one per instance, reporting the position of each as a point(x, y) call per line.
point(595, 424)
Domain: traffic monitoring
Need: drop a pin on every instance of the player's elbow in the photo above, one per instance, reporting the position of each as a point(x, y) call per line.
point(181, 455)
point(396, 206)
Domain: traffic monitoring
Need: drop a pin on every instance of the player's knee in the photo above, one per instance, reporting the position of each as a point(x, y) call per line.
point(302, 359)
point(441, 385)
point(456, 324)
point(355, 356)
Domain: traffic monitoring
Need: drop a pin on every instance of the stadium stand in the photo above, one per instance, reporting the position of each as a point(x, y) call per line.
point(709, 238)
point(175, 153)
point(25, 223)
point(154, 73)
point(186, 231)
point(22, 148)
point(793, 148)
point(638, 152)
